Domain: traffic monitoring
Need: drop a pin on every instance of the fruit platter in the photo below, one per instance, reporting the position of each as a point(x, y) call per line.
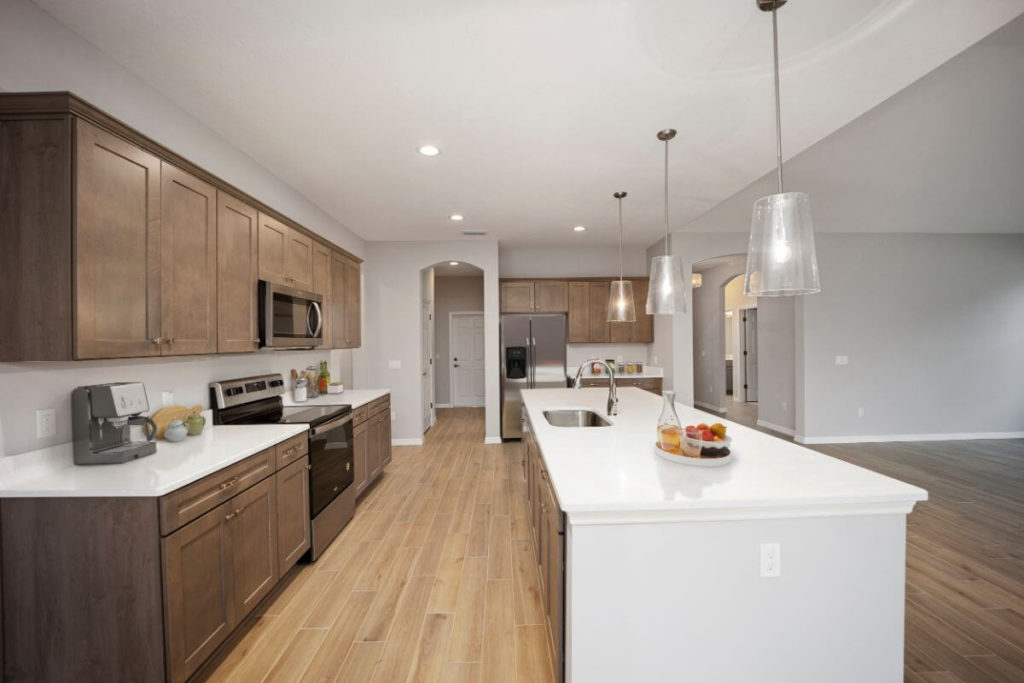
point(700, 445)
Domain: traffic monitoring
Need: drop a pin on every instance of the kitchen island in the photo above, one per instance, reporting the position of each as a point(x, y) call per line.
point(663, 562)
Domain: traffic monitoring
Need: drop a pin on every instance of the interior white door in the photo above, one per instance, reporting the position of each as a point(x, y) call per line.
point(467, 359)
point(427, 363)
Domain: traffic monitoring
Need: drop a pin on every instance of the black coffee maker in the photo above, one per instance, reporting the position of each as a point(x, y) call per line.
point(101, 419)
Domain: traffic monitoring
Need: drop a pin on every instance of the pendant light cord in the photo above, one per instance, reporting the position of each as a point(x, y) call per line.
point(666, 197)
point(620, 239)
point(778, 99)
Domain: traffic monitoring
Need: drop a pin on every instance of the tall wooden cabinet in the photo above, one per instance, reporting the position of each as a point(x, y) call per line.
point(322, 257)
point(116, 247)
point(346, 305)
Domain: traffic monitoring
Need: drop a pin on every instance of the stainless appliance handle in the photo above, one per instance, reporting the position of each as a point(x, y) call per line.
point(333, 424)
point(314, 306)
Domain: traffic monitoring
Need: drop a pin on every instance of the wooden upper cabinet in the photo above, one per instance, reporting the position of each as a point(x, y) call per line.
point(517, 297)
point(597, 293)
point(237, 275)
point(298, 260)
point(353, 306)
point(550, 296)
point(643, 330)
point(188, 274)
point(579, 312)
point(273, 243)
point(322, 257)
point(117, 247)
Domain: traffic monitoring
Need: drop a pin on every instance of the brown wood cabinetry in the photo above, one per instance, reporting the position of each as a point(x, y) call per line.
point(293, 532)
point(346, 313)
point(516, 297)
point(322, 257)
point(588, 315)
point(188, 272)
point(253, 524)
point(116, 247)
point(237, 275)
point(534, 296)
point(579, 312)
point(371, 439)
point(651, 384)
point(597, 298)
point(361, 446)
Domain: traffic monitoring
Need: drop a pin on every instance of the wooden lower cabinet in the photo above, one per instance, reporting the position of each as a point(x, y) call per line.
point(371, 439)
point(651, 384)
point(254, 560)
point(293, 532)
point(361, 446)
point(548, 522)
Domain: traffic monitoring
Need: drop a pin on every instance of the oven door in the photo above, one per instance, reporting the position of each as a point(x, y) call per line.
point(290, 318)
point(331, 462)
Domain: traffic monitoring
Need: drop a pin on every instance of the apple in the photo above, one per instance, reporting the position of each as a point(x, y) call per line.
point(707, 435)
point(702, 426)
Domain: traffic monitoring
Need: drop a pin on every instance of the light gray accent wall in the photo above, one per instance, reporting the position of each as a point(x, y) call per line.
point(392, 273)
point(933, 326)
point(28, 387)
point(38, 53)
point(451, 294)
point(776, 369)
point(581, 261)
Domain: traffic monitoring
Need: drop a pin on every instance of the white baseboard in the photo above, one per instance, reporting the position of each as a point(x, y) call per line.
point(491, 440)
point(418, 441)
point(721, 410)
point(879, 438)
point(776, 428)
point(442, 405)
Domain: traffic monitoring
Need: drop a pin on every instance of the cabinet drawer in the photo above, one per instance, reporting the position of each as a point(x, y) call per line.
point(182, 506)
point(291, 450)
point(379, 407)
point(360, 414)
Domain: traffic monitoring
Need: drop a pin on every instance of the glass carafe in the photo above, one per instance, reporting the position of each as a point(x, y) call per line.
point(670, 430)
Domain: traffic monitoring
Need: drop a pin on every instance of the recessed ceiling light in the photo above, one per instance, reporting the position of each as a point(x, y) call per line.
point(429, 150)
point(453, 263)
point(579, 228)
point(456, 216)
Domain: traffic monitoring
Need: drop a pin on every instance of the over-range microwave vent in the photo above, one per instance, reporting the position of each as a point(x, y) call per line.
point(474, 233)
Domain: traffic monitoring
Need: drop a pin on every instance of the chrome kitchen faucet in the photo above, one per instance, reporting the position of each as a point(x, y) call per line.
point(613, 399)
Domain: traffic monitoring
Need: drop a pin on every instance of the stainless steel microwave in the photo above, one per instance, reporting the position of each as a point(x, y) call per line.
point(290, 318)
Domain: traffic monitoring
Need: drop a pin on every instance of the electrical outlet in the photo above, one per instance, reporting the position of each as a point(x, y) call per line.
point(842, 360)
point(168, 398)
point(771, 560)
point(860, 411)
point(394, 365)
point(46, 423)
point(393, 416)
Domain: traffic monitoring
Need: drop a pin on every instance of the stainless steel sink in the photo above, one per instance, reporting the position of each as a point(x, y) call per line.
point(575, 418)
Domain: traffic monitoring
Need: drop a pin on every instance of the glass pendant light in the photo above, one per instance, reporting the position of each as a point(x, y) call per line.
point(666, 293)
point(780, 258)
point(620, 296)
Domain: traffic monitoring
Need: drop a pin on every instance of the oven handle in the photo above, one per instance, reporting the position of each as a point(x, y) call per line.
point(333, 424)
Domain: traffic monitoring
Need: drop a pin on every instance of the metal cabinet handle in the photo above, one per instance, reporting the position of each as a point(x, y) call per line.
point(226, 518)
point(156, 340)
point(229, 483)
point(309, 467)
point(170, 340)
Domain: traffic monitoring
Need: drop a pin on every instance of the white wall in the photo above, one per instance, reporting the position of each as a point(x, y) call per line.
point(37, 53)
point(392, 324)
point(933, 326)
point(31, 386)
point(451, 294)
point(582, 261)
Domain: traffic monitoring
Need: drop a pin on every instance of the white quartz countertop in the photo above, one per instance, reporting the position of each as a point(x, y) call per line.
point(352, 397)
point(612, 475)
point(51, 473)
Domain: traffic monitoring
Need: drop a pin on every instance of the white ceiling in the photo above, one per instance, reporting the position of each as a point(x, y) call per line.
point(542, 109)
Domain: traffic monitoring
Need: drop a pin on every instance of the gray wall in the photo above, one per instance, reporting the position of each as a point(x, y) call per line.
point(581, 261)
point(933, 326)
point(451, 294)
point(709, 334)
point(776, 369)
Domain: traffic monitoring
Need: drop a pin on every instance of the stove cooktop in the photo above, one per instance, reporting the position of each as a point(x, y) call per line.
point(312, 415)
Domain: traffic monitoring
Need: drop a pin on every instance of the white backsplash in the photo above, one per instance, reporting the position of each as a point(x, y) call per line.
point(578, 353)
point(28, 387)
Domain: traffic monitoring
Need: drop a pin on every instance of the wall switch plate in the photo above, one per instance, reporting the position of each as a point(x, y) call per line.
point(393, 416)
point(46, 423)
point(771, 560)
point(860, 411)
point(394, 365)
point(168, 398)
point(842, 360)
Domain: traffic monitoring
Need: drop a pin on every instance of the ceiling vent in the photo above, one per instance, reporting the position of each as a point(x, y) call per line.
point(474, 233)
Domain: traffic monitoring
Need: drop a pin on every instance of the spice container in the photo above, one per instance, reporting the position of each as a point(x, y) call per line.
point(629, 368)
point(299, 393)
point(639, 367)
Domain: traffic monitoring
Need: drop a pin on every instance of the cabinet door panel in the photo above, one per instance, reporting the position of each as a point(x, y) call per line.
point(643, 331)
point(598, 293)
point(620, 333)
point(322, 257)
point(188, 246)
point(373, 447)
point(253, 545)
point(292, 513)
point(516, 297)
point(360, 445)
point(385, 447)
point(551, 296)
point(237, 275)
point(339, 300)
point(273, 243)
point(579, 313)
point(117, 247)
point(197, 591)
point(298, 260)
point(353, 306)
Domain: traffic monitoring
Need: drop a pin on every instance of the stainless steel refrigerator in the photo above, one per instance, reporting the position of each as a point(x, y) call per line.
point(532, 357)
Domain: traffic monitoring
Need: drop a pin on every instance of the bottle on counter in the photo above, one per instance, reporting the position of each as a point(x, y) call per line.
point(670, 429)
point(312, 388)
point(324, 378)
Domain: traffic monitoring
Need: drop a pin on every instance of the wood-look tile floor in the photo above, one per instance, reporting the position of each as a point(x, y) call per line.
point(434, 579)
